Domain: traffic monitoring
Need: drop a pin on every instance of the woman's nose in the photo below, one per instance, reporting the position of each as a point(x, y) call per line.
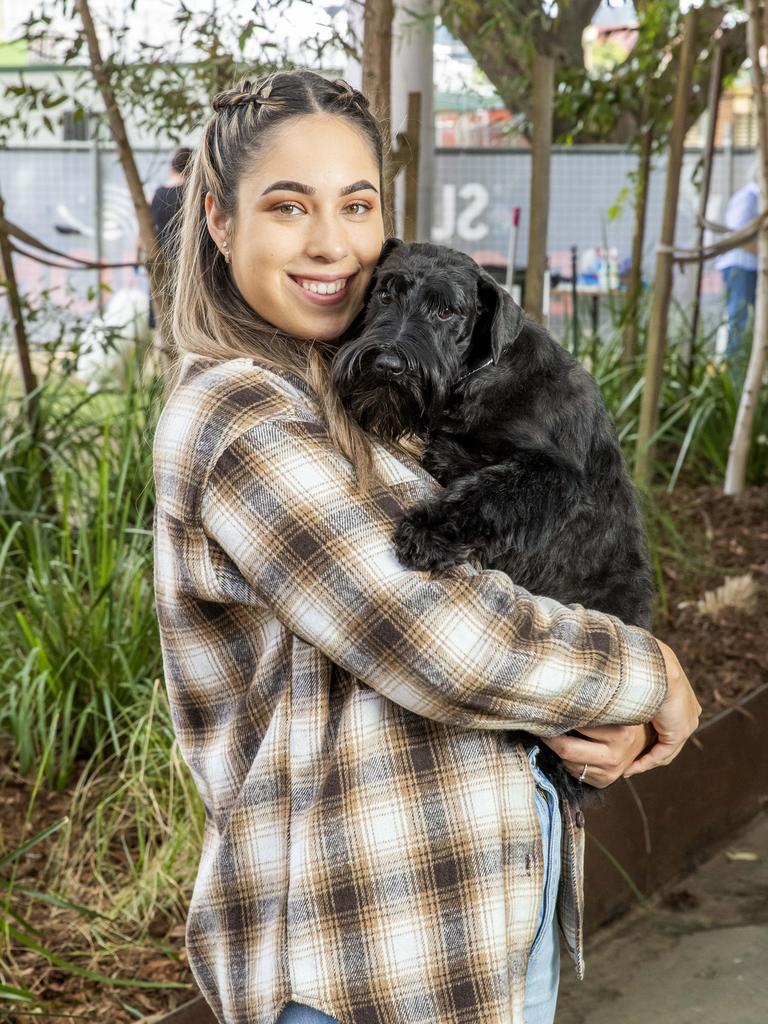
point(327, 239)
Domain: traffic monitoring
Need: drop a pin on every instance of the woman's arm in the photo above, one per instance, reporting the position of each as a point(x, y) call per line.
point(464, 647)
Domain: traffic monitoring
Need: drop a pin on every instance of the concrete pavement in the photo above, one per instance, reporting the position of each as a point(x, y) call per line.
point(698, 953)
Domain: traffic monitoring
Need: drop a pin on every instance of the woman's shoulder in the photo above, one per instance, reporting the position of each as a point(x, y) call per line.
point(213, 403)
point(213, 381)
point(230, 396)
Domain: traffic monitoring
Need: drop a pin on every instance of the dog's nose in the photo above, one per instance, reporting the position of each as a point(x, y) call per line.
point(387, 362)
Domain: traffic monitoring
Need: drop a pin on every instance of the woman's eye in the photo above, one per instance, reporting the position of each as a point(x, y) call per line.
point(446, 314)
point(288, 208)
point(361, 207)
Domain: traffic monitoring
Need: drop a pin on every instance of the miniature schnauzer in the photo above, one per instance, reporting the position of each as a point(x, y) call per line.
point(516, 431)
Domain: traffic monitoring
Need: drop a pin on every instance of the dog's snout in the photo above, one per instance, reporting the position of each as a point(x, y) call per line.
point(387, 363)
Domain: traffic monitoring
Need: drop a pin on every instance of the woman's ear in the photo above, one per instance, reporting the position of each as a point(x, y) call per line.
point(218, 223)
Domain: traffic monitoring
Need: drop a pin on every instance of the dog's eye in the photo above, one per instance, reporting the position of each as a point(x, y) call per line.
point(384, 297)
point(445, 314)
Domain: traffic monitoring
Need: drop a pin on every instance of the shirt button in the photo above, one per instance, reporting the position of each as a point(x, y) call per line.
point(579, 819)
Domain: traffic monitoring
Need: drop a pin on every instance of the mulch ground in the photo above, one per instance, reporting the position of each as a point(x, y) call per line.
point(723, 651)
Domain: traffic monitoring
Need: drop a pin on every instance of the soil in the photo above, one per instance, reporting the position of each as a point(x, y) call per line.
point(724, 653)
point(160, 957)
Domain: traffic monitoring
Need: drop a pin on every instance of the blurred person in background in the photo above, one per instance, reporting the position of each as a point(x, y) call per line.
point(165, 204)
point(739, 266)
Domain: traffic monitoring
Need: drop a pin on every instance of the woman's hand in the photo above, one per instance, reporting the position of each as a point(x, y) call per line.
point(608, 750)
point(675, 720)
point(613, 751)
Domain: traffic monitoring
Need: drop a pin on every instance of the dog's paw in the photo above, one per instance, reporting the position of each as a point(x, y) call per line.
point(426, 540)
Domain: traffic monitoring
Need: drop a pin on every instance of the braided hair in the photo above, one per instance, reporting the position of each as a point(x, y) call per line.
point(209, 316)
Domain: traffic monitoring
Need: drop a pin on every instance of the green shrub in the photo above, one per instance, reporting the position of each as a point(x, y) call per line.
point(80, 648)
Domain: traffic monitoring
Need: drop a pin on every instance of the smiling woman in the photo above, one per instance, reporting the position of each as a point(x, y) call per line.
point(275, 246)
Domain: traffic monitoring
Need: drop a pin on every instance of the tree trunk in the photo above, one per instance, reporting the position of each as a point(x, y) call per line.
point(662, 282)
point(715, 88)
point(28, 378)
point(377, 65)
point(538, 207)
point(738, 453)
point(156, 264)
point(635, 280)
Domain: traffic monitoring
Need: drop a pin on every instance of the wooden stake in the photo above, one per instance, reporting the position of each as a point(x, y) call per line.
point(377, 75)
point(635, 282)
point(715, 88)
point(738, 452)
point(662, 282)
point(407, 155)
point(156, 264)
point(28, 378)
point(538, 207)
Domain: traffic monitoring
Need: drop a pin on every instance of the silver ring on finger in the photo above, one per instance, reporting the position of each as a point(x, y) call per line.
point(583, 773)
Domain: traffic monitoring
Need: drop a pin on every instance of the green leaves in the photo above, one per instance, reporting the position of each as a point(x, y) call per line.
point(81, 639)
point(164, 89)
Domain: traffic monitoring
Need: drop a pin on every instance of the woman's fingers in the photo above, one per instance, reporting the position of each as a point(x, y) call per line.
point(617, 748)
point(606, 758)
point(572, 748)
point(675, 720)
point(597, 777)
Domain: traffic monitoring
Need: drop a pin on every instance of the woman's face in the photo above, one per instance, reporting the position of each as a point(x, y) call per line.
point(308, 229)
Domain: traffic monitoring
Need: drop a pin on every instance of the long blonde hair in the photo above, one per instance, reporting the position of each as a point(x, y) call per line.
point(207, 314)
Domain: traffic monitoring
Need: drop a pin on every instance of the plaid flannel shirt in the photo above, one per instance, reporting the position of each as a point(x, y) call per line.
point(371, 844)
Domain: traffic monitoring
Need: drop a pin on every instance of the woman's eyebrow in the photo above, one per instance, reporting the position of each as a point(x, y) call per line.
point(308, 190)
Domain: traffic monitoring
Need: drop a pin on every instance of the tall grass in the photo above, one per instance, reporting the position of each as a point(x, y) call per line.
point(80, 649)
point(81, 692)
point(697, 408)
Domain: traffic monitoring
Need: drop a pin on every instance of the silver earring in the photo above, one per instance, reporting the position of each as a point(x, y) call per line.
point(225, 250)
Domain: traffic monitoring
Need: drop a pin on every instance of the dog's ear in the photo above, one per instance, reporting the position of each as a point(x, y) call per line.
point(500, 319)
point(389, 246)
point(356, 326)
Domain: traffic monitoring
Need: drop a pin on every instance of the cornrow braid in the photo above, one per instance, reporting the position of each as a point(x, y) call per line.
point(347, 90)
point(244, 95)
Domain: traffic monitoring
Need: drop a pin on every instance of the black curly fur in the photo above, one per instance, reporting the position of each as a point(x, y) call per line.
point(516, 430)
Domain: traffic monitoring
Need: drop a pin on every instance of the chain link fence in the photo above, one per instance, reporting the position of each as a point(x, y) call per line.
point(76, 200)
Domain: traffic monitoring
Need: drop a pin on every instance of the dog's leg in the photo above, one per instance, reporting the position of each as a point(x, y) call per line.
point(517, 505)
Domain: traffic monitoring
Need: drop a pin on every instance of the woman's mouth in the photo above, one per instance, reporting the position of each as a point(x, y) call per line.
point(325, 292)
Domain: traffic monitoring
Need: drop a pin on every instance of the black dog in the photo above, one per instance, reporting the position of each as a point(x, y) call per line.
point(516, 431)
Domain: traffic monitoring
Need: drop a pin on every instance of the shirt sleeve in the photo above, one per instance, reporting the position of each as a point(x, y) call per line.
point(742, 208)
point(464, 647)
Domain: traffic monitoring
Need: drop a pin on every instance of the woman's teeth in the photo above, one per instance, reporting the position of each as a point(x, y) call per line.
point(322, 287)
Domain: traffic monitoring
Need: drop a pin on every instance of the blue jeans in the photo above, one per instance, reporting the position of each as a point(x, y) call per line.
point(740, 290)
point(543, 978)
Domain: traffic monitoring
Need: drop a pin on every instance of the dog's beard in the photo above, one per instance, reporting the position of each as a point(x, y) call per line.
point(389, 407)
point(386, 410)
